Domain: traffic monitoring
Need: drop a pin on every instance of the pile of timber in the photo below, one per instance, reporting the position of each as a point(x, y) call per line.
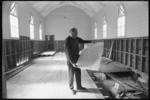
point(120, 82)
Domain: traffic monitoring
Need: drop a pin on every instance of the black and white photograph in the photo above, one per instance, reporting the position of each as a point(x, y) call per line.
point(75, 49)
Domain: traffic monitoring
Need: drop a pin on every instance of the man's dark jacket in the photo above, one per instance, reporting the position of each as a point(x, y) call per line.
point(72, 48)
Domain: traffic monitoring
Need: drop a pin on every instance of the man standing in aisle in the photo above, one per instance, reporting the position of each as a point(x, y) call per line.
point(72, 53)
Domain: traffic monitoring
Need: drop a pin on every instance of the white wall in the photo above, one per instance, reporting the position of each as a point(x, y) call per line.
point(62, 19)
point(137, 19)
point(24, 13)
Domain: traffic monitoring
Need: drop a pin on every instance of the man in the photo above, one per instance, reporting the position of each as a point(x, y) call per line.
point(72, 53)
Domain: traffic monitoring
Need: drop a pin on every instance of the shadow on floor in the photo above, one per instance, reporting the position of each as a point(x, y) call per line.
point(89, 90)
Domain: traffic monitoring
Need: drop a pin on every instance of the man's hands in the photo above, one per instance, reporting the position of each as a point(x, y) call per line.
point(74, 65)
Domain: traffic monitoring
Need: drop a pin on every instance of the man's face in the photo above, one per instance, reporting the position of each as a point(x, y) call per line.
point(74, 34)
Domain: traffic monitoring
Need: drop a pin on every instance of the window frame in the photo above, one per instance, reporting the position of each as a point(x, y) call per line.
point(120, 6)
point(33, 27)
point(106, 23)
point(40, 30)
point(10, 14)
point(95, 28)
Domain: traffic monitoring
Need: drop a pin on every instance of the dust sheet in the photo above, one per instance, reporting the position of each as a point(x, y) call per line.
point(90, 56)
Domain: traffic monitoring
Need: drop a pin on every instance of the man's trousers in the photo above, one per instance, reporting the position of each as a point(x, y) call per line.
point(74, 71)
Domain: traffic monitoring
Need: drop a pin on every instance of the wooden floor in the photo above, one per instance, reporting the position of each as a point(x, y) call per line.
point(48, 78)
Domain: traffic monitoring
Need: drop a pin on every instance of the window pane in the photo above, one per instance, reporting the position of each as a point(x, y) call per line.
point(31, 31)
point(40, 34)
point(121, 8)
point(13, 4)
point(15, 22)
point(104, 27)
point(14, 26)
point(31, 20)
point(123, 20)
point(104, 34)
point(12, 32)
point(123, 31)
point(104, 30)
point(15, 32)
point(13, 9)
point(119, 22)
point(95, 33)
point(11, 20)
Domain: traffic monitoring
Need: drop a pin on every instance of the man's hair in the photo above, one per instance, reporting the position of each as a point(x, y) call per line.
point(73, 30)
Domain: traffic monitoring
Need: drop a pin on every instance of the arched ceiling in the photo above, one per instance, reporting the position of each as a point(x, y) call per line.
point(89, 7)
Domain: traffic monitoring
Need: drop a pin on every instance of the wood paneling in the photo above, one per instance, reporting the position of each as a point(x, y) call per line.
point(17, 52)
point(59, 45)
point(132, 52)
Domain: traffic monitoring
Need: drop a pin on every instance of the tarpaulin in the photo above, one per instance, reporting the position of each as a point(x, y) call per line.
point(90, 56)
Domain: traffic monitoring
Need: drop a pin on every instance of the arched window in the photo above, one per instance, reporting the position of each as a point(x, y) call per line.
point(40, 32)
point(95, 30)
point(31, 27)
point(14, 27)
point(104, 27)
point(121, 21)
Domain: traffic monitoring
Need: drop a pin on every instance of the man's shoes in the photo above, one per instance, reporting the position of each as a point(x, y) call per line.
point(81, 88)
point(73, 91)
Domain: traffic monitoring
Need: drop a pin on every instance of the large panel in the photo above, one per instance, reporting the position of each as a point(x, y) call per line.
point(121, 56)
point(131, 61)
point(145, 47)
point(145, 67)
point(8, 63)
point(104, 52)
point(17, 46)
point(138, 63)
point(118, 58)
point(8, 48)
point(114, 46)
point(114, 55)
point(118, 45)
point(124, 45)
point(13, 58)
point(105, 43)
point(124, 58)
point(133, 45)
point(128, 49)
point(18, 59)
point(127, 59)
point(121, 45)
point(17, 51)
point(4, 60)
point(132, 52)
point(139, 46)
point(31, 45)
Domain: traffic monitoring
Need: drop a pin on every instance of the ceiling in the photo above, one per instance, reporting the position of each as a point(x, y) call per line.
point(89, 7)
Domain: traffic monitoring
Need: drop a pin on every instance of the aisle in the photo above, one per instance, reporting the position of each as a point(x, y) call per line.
point(48, 78)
